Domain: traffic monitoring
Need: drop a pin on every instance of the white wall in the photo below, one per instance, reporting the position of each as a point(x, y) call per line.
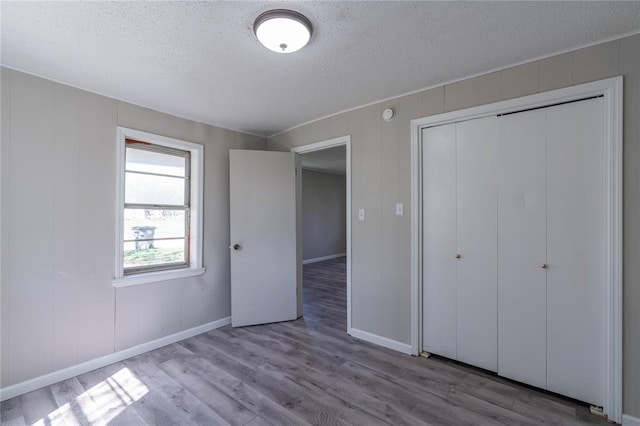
point(381, 286)
point(58, 230)
point(324, 223)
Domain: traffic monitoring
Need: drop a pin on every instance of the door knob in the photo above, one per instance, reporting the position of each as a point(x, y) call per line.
point(544, 266)
point(458, 256)
point(236, 246)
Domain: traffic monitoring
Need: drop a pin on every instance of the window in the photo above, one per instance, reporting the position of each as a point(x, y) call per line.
point(159, 208)
point(156, 207)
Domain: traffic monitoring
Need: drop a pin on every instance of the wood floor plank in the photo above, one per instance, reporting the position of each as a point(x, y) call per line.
point(302, 372)
point(168, 402)
point(12, 411)
point(426, 406)
point(37, 405)
point(69, 411)
point(15, 421)
point(368, 400)
point(260, 421)
point(229, 410)
point(323, 369)
point(414, 375)
point(293, 391)
point(109, 396)
point(267, 409)
point(469, 409)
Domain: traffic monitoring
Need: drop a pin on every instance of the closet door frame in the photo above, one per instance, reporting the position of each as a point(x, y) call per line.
point(611, 90)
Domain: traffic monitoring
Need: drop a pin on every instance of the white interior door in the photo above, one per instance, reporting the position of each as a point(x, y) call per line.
point(575, 239)
point(522, 247)
point(439, 240)
point(477, 197)
point(265, 257)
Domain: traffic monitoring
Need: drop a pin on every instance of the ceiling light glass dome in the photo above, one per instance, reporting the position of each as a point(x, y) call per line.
point(283, 31)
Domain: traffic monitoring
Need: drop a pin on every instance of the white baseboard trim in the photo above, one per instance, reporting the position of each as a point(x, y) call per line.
point(320, 259)
point(628, 420)
point(382, 341)
point(75, 370)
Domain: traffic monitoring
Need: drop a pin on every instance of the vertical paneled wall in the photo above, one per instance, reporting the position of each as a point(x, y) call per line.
point(380, 178)
point(58, 198)
point(58, 210)
point(324, 228)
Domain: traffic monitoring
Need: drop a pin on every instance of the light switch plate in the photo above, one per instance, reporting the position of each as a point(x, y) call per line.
point(360, 214)
point(399, 209)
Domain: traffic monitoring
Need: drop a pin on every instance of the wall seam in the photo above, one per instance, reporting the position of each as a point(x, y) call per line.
point(80, 109)
point(52, 286)
point(115, 290)
point(77, 237)
point(6, 256)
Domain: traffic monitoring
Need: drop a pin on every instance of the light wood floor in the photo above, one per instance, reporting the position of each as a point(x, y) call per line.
point(301, 372)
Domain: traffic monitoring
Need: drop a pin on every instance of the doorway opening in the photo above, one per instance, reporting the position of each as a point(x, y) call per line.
point(326, 229)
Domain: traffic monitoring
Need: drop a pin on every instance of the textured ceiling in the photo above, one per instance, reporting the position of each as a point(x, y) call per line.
point(200, 60)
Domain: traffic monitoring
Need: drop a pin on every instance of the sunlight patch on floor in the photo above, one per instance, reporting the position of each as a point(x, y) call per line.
point(107, 399)
point(103, 402)
point(62, 416)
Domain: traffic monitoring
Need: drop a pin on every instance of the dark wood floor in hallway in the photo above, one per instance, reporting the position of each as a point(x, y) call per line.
point(307, 371)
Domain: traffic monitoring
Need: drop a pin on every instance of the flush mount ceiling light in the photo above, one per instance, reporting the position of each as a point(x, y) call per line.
point(283, 31)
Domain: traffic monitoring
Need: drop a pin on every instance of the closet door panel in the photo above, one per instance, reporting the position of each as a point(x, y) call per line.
point(477, 328)
point(439, 240)
point(522, 247)
point(575, 317)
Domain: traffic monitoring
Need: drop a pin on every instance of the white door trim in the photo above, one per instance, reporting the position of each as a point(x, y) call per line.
point(611, 89)
point(330, 143)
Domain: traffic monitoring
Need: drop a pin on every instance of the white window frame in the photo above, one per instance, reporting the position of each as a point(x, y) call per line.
point(195, 267)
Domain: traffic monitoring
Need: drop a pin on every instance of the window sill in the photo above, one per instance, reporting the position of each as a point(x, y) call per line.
point(151, 277)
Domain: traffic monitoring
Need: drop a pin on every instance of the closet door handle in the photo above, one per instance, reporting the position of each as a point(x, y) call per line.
point(544, 265)
point(458, 256)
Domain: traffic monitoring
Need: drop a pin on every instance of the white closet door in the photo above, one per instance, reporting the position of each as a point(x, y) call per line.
point(439, 240)
point(522, 247)
point(575, 317)
point(477, 296)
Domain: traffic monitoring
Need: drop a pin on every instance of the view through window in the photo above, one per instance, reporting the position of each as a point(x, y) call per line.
point(156, 208)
